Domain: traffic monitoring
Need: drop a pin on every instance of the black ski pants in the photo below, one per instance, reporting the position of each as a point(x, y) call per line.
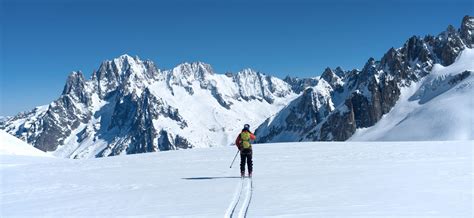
point(246, 156)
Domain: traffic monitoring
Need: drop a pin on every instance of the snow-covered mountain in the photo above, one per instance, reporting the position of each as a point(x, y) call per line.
point(130, 106)
point(440, 107)
point(438, 69)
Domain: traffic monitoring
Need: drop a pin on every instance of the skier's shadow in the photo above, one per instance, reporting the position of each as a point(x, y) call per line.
point(216, 177)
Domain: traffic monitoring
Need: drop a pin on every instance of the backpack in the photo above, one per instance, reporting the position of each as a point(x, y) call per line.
point(245, 137)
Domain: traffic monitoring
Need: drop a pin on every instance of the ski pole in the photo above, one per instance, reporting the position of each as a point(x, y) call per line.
point(234, 159)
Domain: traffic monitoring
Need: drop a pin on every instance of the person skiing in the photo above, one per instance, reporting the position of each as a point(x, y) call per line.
point(243, 144)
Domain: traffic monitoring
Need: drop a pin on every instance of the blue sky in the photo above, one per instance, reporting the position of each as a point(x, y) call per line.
point(43, 41)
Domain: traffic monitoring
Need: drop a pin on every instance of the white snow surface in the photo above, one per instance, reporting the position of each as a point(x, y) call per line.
point(10, 145)
point(325, 179)
point(433, 109)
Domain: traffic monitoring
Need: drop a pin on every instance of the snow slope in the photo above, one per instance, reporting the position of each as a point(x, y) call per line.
point(10, 145)
point(439, 107)
point(365, 179)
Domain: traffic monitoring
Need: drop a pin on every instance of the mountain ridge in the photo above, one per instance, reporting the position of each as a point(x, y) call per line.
point(362, 97)
point(131, 106)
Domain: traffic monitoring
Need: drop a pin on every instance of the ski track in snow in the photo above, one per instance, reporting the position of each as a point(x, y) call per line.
point(248, 198)
point(237, 198)
point(322, 179)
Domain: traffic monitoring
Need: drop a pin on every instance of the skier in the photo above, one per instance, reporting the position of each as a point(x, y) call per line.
point(243, 144)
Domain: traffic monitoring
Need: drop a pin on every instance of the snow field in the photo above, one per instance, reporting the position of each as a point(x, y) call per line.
point(365, 179)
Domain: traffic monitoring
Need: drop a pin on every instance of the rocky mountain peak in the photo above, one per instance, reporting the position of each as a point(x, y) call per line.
point(74, 81)
point(186, 73)
point(76, 87)
point(339, 72)
point(332, 78)
point(125, 71)
point(450, 29)
point(371, 61)
point(192, 71)
point(248, 72)
point(127, 60)
point(298, 85)
point(391, 60)
point(448, 44)
point(415, 49)
point(121, 65)
point(467, 30)
point(328, 75)
point(327, 72)
point(369, 69)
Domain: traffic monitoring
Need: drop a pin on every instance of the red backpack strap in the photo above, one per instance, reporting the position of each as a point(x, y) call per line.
point(237, 142)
